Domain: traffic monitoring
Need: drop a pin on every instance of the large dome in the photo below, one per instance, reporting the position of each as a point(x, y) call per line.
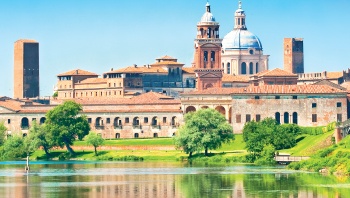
point(241, 39)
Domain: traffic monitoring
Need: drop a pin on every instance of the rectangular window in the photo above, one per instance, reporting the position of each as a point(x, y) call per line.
point(295, 97)
point(145, 120)
point(247, 118)
point(8, 121)
point(339, 117)
point(338, 104)
point(238, 118)
point(108, 120)
point(257, 117)
point(89, 120)
point(314, 105)
point(277, 97)
point(256, 97)
point(33, 119)
point(314, 117)
point(164, 119)
point(126, 120)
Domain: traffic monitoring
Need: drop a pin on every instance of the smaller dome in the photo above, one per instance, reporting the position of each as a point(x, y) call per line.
point(241, 39)
point(207, 16)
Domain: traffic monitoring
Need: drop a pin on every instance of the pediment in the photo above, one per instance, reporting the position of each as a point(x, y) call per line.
point(210, 75)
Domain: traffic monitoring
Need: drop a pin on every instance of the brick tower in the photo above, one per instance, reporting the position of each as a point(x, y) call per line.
point(26, 69)
point(207, 56)
point(294, 55)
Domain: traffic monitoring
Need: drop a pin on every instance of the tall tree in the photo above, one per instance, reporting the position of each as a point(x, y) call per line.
point(42, 138)
point(203, 130)
point(65, 124)
point(95, 140)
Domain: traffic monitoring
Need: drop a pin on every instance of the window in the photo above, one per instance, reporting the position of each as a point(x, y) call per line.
point(136, 135)
point(89, 120)
point(164, 119)
point(338, 104)
point(126, 120)
point(33, 119)
point(257, 67)
point(212, 56)
point(256, 97)
point(277, 97)
point(155, 135)
point(314, 117)
point(228, 68)
point(243, 68)
point(238, 118)
point(251, 52)
point(314, 105)
point(286, 117)
point(339, 117)
point(8, 121)
point(145, 120)
point(247, 118)
point(278, 117)
point(295, 97)
point(108, 120)
point(251, 68)
point(257, 117)
point(295, 118)
point(205, 56)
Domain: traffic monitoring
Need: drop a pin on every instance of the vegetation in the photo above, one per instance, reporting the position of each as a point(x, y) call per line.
point(3, 130)
point(203, 130)
point(55, 95)
point(64, 124)
point(95, 140)
point(334, 159)
point(13, 148)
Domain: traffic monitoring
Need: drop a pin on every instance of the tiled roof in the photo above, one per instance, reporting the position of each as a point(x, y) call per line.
point(276, 72)
point(145, 98)
point(166, 57)
point(16, 105)
point(189, 70)
point(234, 78)
point(138, 69)
point(167, 63)
point(331, 75)
point(78, 72)
point(327, 82)
point(272, 89)
point(94, 81)
point(346, 85)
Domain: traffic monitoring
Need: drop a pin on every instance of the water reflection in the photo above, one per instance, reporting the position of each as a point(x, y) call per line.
point(144, 179)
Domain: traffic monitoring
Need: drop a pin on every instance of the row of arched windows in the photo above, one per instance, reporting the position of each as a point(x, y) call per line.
point(287, 118)
point(251, 69)
point(25, 122)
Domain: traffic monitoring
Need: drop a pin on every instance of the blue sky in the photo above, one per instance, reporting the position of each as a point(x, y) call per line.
point(99, 35)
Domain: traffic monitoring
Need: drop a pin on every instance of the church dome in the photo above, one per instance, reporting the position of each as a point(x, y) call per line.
point(208, 16)
point(241, 39)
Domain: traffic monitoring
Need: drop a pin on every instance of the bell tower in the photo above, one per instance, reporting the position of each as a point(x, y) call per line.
point(207, 56)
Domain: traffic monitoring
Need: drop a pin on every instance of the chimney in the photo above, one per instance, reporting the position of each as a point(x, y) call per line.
point(112, 69)
point(76, 71)
point(135, 65)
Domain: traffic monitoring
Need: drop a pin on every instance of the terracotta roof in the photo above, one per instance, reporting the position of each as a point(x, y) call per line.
point(189, 70)
point(94, 81)
point(276, 72)
point(17, 105)
point(145, 98)
point(234, 78)
point(138, 69)
point(78, 72)
point(166, 57)
point(327, 82)
point(346, 85)
point(271, 89)
point(334, 74)
point(167, 63)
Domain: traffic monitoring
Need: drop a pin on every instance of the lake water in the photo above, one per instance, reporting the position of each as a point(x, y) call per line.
point(163, 179)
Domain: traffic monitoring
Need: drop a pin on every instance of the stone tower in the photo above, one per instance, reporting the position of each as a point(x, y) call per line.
point(207, 56)
point(294, 55)
point(26, 69)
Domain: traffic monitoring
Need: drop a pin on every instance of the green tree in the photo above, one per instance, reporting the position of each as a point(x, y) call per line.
point(3, 130)
point(95, 140)
point(203, 130)
point(40, 138)
point(65, 124)
point(13, 148)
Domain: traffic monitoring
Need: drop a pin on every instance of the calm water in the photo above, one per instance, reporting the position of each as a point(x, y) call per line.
point(162, 179)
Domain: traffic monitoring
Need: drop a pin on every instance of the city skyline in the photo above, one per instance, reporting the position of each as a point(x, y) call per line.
point(99, 35)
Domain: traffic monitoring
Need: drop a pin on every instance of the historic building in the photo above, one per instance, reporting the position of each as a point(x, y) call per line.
point(306, 105)
point(294, 55)
point(207, 56)
point(26, 69)
point(242, 51)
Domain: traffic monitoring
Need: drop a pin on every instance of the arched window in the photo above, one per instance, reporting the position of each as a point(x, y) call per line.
point(25, 123)
point(221, 110)
point(243, 68)
point(205, 56)
point(257, 67)
point(228, 68)
point(212, 56)
point(190, 109)
point(286, 117)
point(223, 65)
point(278, 117)
point(42, 120)
point(295, 118)
point(154, 121)
point(209, 33)
point(251, 68)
